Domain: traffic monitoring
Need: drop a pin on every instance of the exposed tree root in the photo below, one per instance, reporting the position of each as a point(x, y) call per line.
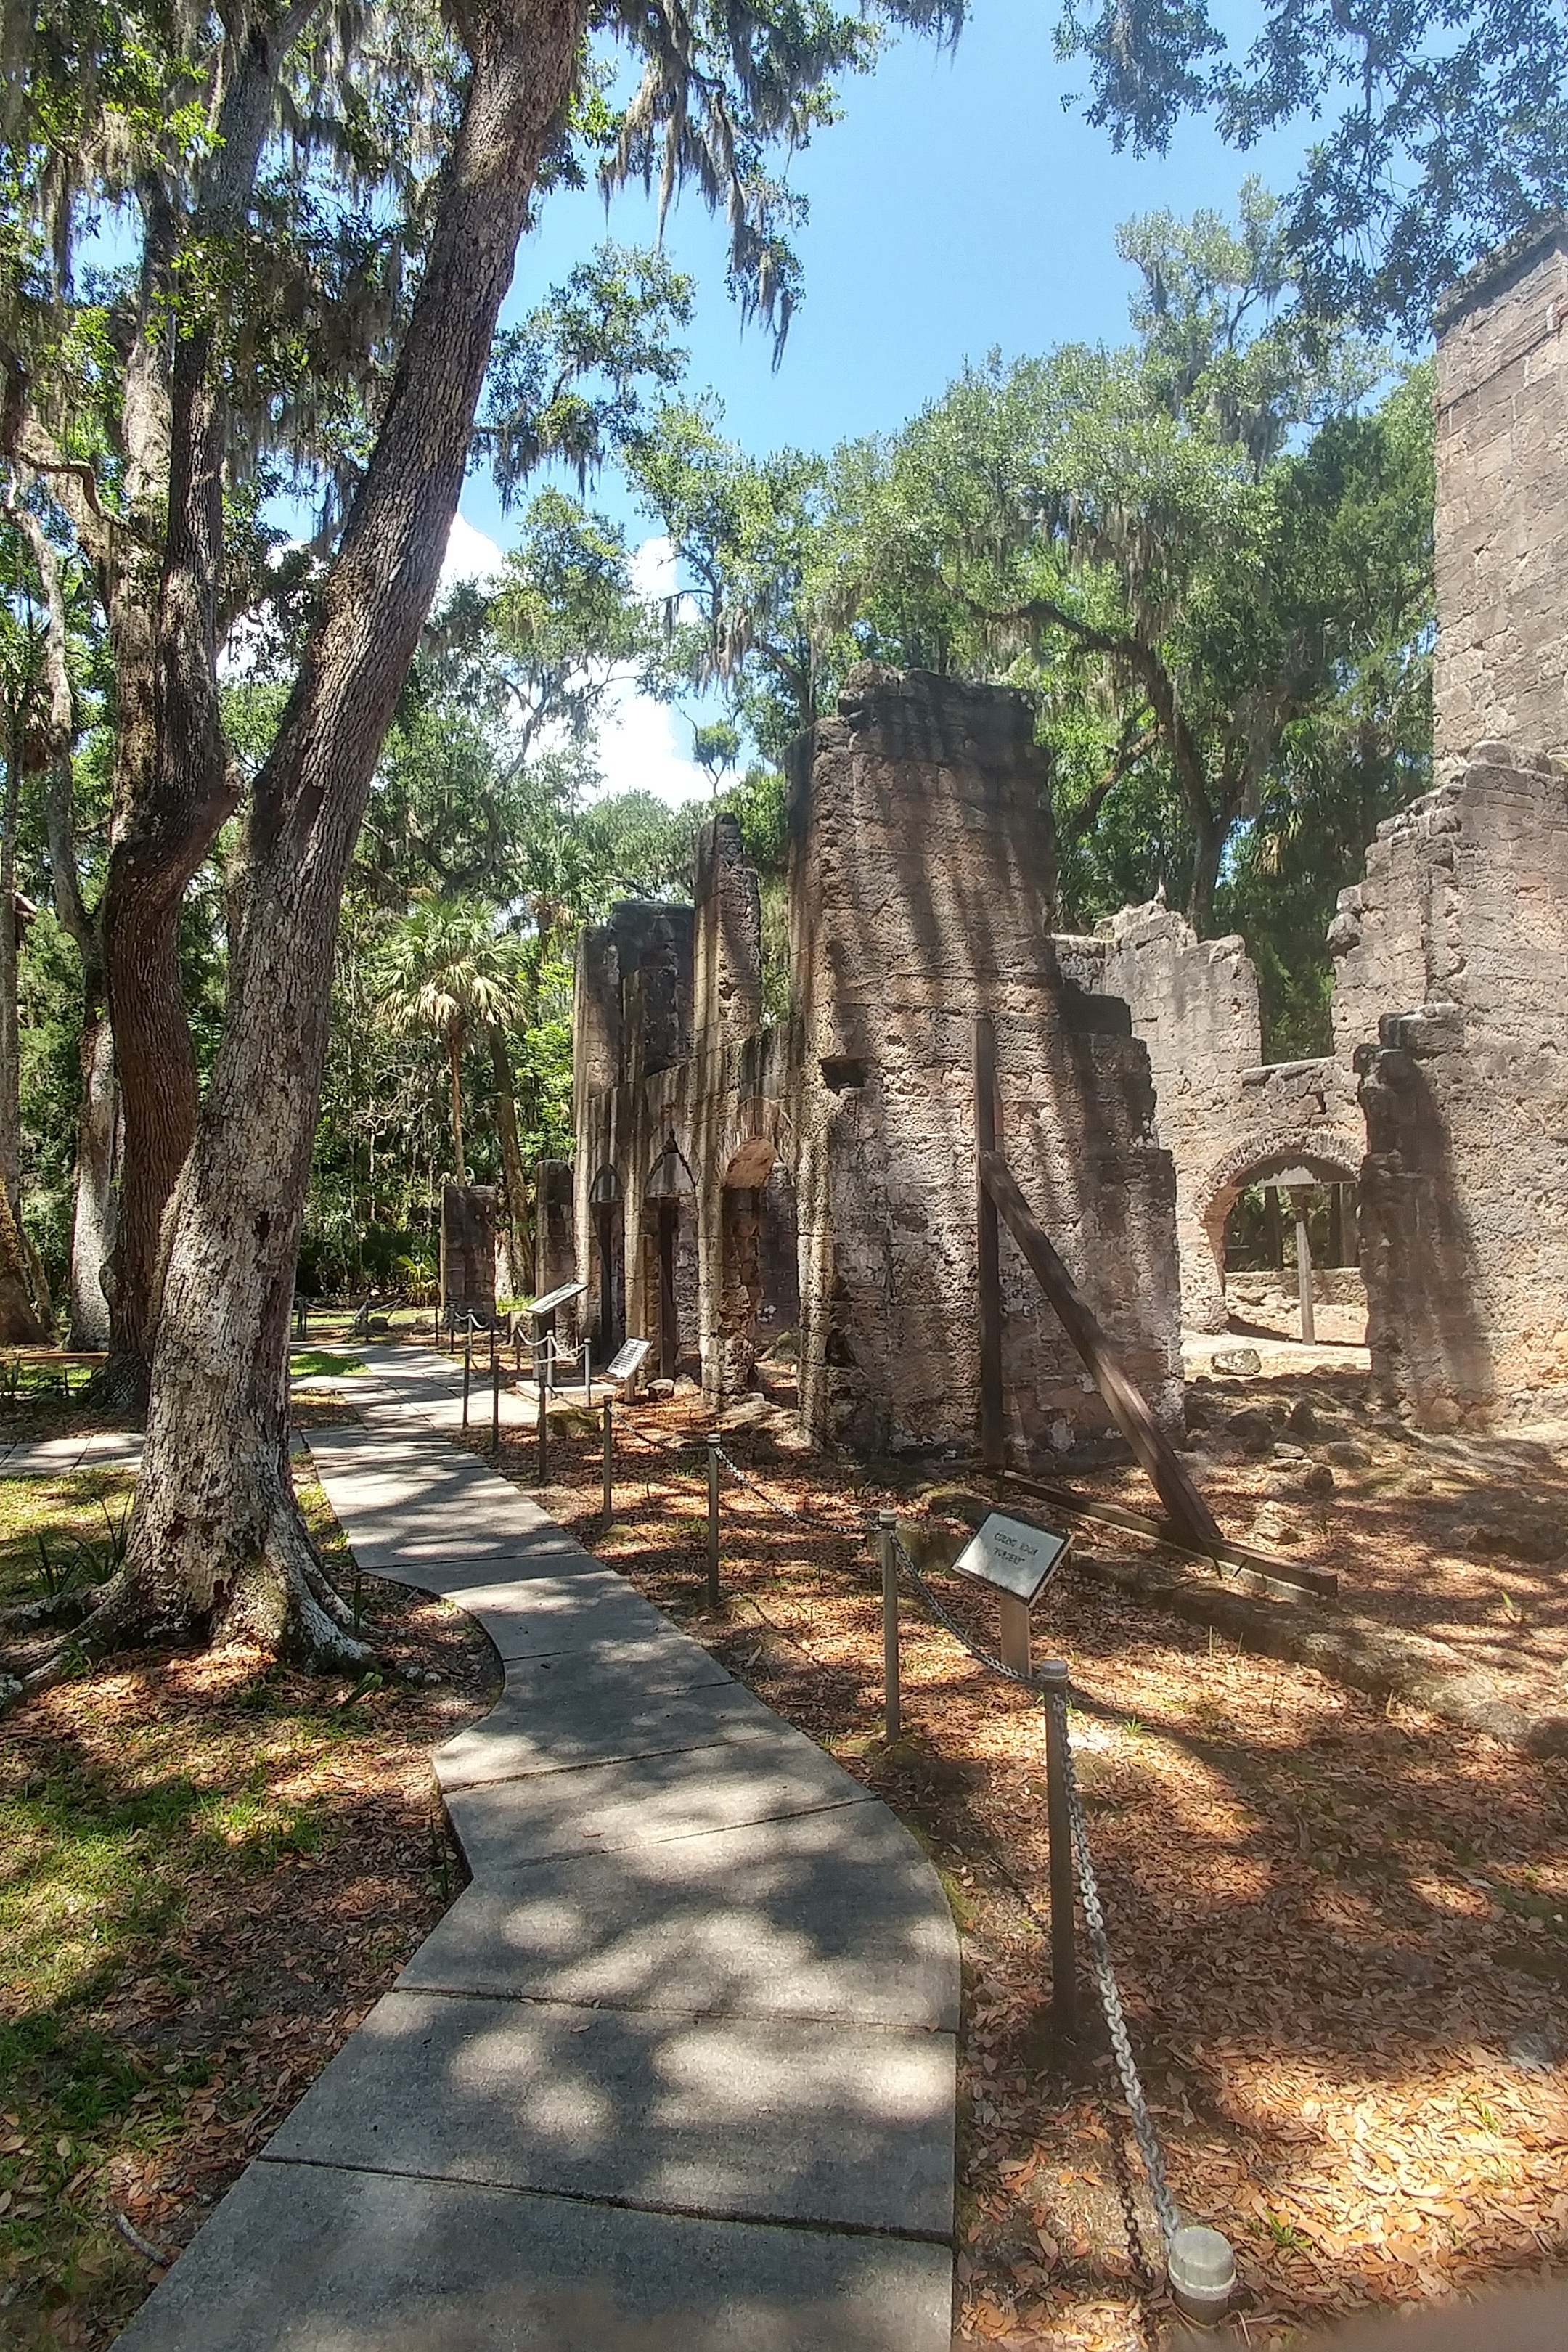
point(284, 1603)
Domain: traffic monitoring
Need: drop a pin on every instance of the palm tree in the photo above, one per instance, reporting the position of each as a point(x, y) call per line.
point(446, 967)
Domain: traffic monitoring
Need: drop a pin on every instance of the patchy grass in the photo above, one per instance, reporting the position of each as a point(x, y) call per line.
point(1342, 1926)
point(210, 1866)
point(314, 1363)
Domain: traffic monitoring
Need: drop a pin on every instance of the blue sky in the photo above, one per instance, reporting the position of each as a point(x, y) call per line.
point(957, 205)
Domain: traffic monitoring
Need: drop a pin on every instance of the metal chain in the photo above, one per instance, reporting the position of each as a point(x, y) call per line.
point(1094, 1922)
point(976, 1649)
point(802, 1518)
point(1110, 1992)
point(653, 1444)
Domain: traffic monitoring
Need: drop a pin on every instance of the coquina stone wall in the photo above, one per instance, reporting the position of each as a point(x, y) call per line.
point(1227, 1117)
point(823, 1168)
point(1502, 500)
point(1452, 958)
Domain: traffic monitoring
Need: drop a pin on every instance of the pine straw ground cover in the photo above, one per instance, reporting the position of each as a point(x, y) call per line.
point(1339, 1924)
point(210, 1867)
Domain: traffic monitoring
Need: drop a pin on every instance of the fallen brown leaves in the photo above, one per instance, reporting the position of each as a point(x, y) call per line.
point(1338, 1925)
point(212, 1867)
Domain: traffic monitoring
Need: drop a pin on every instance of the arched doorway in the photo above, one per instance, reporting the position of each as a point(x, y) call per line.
point(606, 1210)
point(1281, 1213)
point(670, 1244)
point(760, 1257)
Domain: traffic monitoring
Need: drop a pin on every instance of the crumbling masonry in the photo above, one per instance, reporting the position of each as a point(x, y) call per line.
point(735, 1182)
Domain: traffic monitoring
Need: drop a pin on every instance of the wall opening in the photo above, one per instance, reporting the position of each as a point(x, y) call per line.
point(759, 1246)
point(608, 1275)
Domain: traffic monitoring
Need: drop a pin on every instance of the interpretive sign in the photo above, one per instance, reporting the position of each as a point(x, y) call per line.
point(629, 1362)
point(554, 1298)
point(1015, 1559)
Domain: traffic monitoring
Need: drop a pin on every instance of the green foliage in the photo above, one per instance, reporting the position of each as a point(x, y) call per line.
point(1451, 133)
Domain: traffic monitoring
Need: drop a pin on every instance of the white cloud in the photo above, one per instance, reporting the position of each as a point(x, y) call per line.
point(471, 556)
point(644, 747)
point(653, 567)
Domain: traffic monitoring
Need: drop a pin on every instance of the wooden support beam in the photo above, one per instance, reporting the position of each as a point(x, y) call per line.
point(989, 1264)
point(1189, 1512)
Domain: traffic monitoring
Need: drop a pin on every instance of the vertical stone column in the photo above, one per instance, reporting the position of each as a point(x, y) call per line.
point(922, 888)
point(727, 989)
point(1501, 670)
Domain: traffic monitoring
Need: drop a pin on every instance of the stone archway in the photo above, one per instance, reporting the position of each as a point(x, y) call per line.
point(1330, 1155)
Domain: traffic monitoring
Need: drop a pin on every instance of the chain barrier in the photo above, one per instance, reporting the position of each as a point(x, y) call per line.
point(1094, 1922)
point(1109, 1991)
point(945, 1617)
point(653, 1444)
point(802, 1518)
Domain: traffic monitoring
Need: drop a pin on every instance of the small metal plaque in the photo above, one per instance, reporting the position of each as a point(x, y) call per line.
point(630, 1361)
point(554, 1298)
point(1013, 1558)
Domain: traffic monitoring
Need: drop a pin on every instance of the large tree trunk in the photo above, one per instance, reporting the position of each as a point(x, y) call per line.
point(96, 1119)
point(174, 784)
point(217, 1542)
point(10, 1042)
point(92, 1224)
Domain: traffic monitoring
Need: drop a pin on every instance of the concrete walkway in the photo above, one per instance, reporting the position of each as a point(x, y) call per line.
point(675, 2070)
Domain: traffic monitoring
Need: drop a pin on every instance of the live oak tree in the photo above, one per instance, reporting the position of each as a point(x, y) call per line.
point(1441, 126)
point(218, 1545)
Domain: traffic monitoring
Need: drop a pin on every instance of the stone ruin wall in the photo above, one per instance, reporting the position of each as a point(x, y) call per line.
point(920, 885)
point(1452, 956)
point(1227, 1117)
point(920, 896)
point(1501, 668)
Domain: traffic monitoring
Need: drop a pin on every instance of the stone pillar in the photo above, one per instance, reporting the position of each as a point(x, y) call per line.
point(469, 1249)
point(1501, 670)
point(554, 1249)
point(727, 990)
point(922, 889)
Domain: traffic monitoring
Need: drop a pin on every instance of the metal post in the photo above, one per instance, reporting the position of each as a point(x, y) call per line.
point(587, 1369)
point(1058, 1823)
point(468, 1369)
point(540, 1363)
point(495, 1394)
point(609, 1494)
point(886, 1523)
point(714, 1595)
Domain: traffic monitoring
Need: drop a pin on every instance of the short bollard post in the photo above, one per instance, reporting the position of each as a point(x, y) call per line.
point(1058, 1821)
point(495, 1394)
point(886, 1540)
point(1201, 2269)
point(543, 1365)
point(468, 1369)
point(608, 1499)
point(587, 1372)
point(712, 1523)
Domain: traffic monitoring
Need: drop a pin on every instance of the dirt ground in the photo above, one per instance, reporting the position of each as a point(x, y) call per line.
point(1339, 1924)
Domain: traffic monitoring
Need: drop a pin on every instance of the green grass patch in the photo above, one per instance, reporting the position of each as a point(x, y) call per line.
point(311, 1363)
point(57, 1532)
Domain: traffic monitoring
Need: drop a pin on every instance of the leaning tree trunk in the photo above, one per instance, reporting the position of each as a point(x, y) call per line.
point(217, 1543)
